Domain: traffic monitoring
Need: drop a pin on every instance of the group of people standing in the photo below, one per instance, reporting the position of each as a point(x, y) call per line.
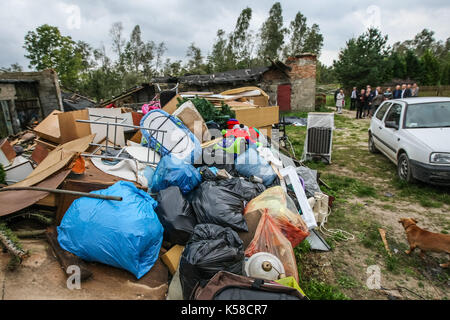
point(366, 101)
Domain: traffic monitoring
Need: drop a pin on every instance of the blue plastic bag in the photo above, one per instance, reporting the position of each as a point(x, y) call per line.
point(125, 234)
point(172, 171)
point(250, 164)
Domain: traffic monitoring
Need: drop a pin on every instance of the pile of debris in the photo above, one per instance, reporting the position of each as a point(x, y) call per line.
point(195, 187)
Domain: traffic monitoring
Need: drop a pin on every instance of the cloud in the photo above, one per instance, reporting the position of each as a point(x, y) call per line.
point(181, 22)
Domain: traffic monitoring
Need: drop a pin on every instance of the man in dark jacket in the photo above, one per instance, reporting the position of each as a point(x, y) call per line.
point(376, 101)
point(406, 93)
point(397, 94)
point(360, 104)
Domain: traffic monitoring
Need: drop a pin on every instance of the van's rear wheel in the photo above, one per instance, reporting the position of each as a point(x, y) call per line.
point(404, 168)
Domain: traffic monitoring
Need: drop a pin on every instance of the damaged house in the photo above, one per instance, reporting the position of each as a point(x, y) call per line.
point(26, 97)
point(290, 85)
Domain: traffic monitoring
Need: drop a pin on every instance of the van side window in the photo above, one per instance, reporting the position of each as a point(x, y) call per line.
point(381, 112)
point(394, 114)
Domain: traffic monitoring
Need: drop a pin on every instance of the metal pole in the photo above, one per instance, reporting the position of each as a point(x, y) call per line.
point(61, 191)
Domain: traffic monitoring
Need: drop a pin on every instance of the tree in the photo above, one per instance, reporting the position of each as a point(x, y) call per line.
point(445, 76)
point(139, 54)
point(398, 66)
point(195, 62)
point(298, 31)
point(314, 40)
point(160, 51)
point(241, 42)
point(364, 60)
point(424, 41)
point(15, 67)
point(430, 69)
point(325, 74)
point(172, 68)
point(272, 34)
point(217, 59)
point(118, 42)
point(47, 48)
point(412, 66)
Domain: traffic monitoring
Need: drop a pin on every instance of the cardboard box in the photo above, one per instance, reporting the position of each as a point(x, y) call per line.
point(172, 258)
point(61, 127)
point(257, 117)
point(48, 129)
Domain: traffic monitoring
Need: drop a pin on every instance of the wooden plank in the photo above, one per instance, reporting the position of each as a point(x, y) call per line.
point(65, 258)
point(47, 144)
point(383, 237)
point(48, 201)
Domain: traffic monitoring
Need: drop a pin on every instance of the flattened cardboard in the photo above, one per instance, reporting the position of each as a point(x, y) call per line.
point(56, 160)
point(13, 201)
point(171, 106)
point(193, 120)
point(49, 128)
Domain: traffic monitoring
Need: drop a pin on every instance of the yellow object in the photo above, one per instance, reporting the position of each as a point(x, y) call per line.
point(172, 258)
point(290, 282)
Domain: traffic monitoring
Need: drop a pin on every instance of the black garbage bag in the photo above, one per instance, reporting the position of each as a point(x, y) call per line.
point(207, 174)
point(218, 205)
point(211, 249)
point(248, 190)
point(218, 158)
point(176, 215)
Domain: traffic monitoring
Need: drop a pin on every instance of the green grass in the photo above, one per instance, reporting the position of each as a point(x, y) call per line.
point(314, 289)
point(341, 186)
point(347, 282)
point(318, 290)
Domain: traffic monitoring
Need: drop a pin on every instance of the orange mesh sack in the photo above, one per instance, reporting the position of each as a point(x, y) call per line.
point(277, 203)
point(269, 238)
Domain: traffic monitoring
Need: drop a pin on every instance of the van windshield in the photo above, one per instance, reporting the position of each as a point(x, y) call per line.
point(428, 115)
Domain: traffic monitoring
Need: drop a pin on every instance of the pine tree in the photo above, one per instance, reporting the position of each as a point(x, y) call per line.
point(272, 35)
point(430, 69)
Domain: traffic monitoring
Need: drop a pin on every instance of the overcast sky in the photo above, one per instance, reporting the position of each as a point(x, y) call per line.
point(180, 22)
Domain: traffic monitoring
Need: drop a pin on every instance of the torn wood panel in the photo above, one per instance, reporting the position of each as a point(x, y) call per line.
point(13, 201)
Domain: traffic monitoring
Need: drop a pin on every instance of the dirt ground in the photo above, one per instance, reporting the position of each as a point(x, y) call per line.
point(40, 277)
point(370, 196)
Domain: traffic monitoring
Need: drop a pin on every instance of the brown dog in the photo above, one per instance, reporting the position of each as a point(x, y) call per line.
point(425, 240)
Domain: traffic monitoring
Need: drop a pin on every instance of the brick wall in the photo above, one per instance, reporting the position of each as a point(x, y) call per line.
point(302, 78)
point(48, 87)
